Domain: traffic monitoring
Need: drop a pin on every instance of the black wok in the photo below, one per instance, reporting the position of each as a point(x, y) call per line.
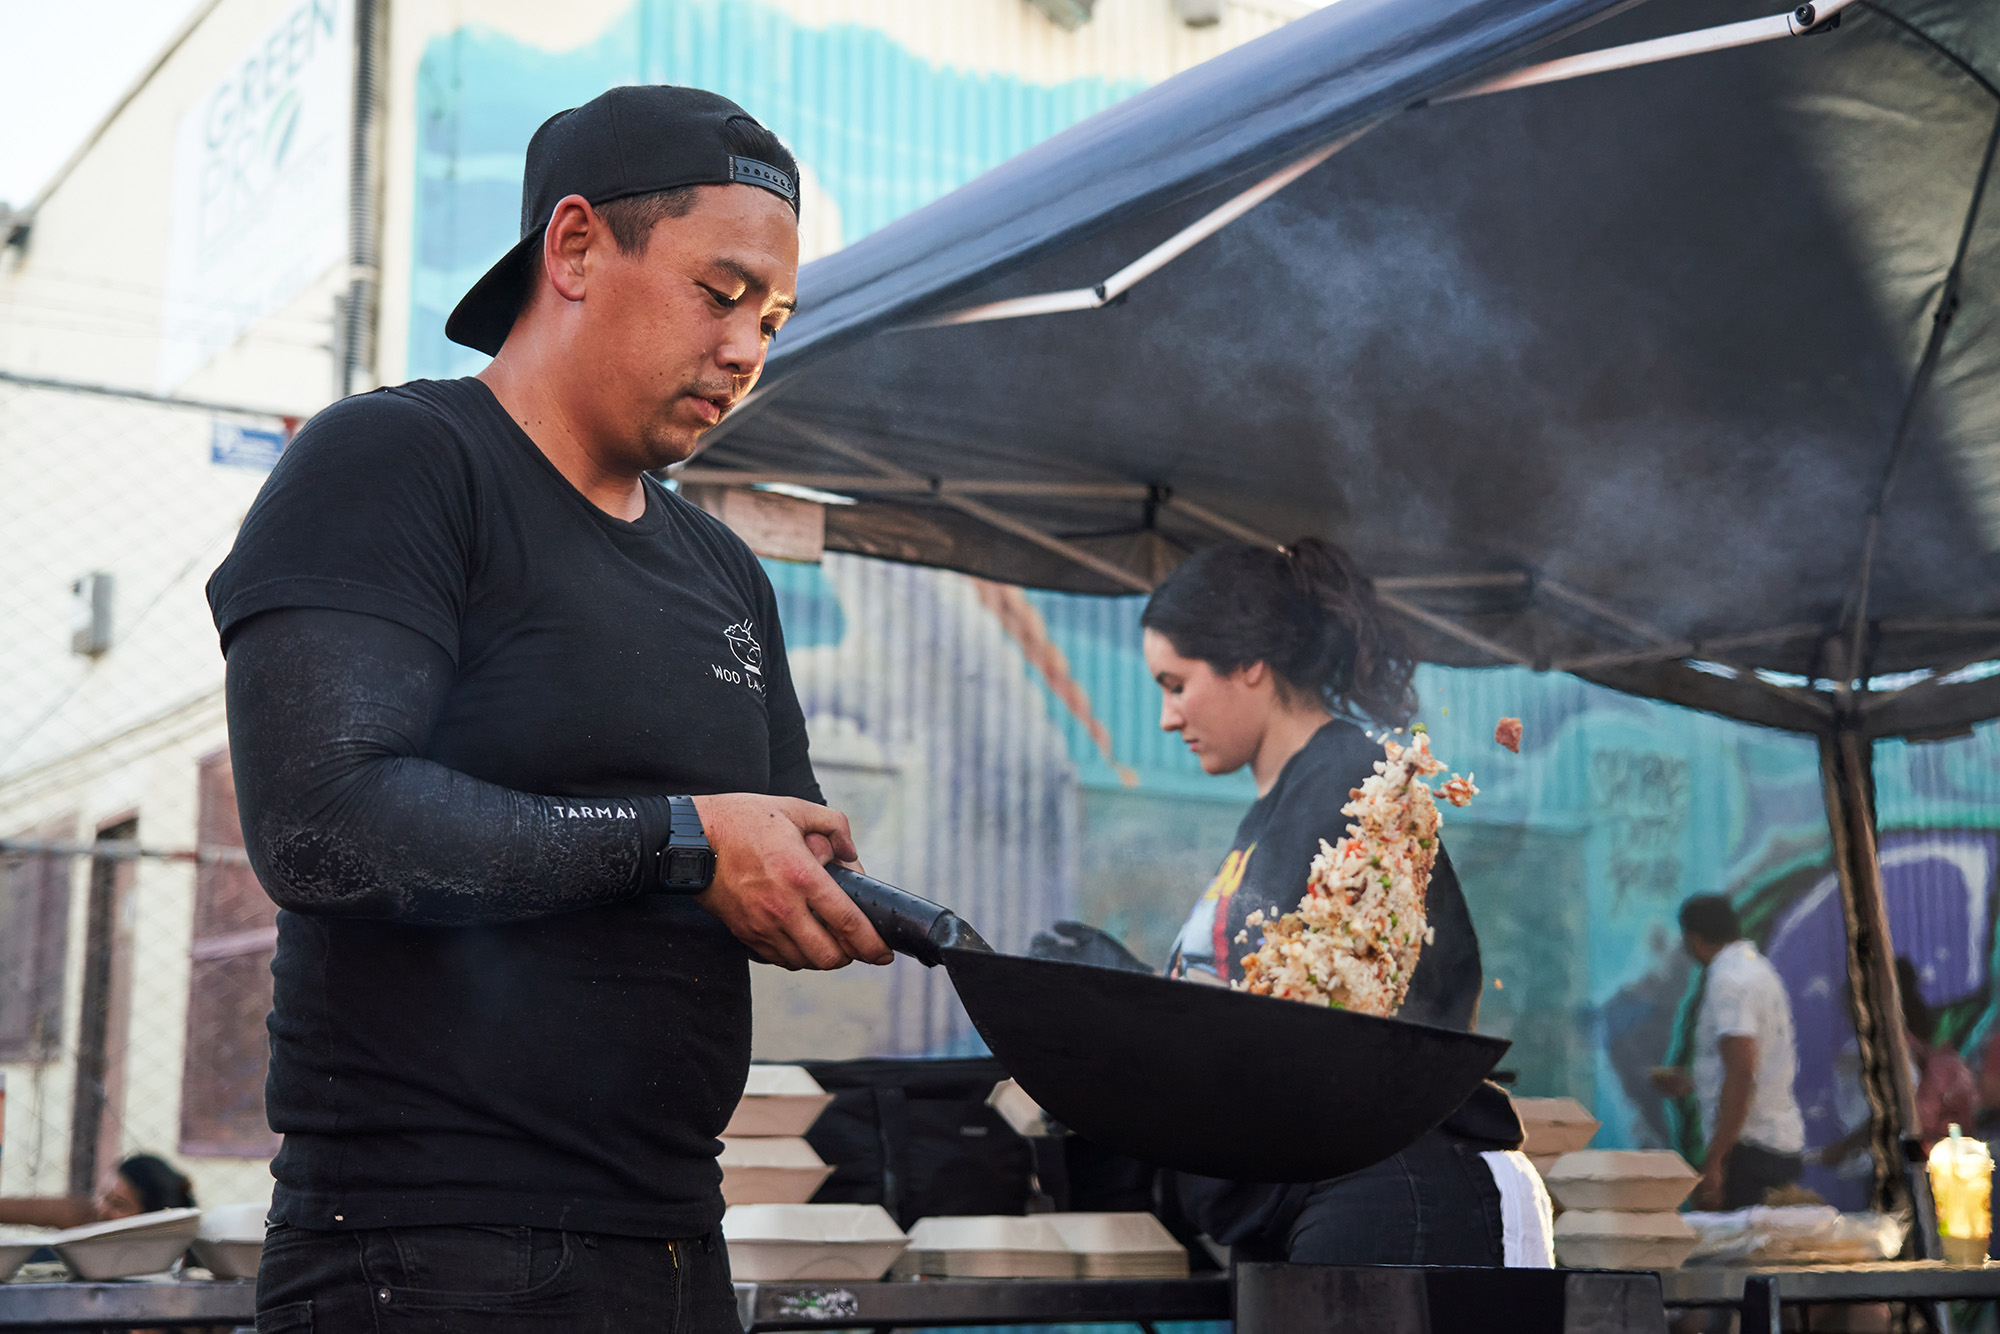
point(1203, 1079)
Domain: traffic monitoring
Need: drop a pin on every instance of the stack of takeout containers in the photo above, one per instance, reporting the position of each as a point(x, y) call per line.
point(1619, 1209)
point(768, 1174)
point(125, 1247)
point(1553, 1127)
point(765, 1158)
point(775, 1243)
point(1121, 1245)
point(988, 1246)
point(231, 1240)
point(1083, 1245)
point(17, 1244)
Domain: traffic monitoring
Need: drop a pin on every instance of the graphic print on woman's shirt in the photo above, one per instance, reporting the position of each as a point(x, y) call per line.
point(1204, 938)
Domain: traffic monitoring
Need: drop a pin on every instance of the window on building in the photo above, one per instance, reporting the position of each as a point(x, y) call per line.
point(34, 942)
point(229, 987)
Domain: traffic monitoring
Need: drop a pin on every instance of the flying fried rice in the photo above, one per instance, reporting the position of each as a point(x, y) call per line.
point(1354, 939)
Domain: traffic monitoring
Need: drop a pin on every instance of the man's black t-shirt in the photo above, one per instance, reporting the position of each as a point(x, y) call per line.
point(1273, 853)
point(570, 1070)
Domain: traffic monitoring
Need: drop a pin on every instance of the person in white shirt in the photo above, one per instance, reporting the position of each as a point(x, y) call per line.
point(1744, 1061)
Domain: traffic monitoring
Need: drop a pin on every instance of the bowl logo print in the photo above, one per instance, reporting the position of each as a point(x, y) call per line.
point(745, 646)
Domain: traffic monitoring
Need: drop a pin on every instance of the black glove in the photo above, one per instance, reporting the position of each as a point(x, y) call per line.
point(1074, 942)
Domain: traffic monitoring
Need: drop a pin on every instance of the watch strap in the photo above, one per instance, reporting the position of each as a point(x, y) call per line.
point(686, 862)
point(685, 822)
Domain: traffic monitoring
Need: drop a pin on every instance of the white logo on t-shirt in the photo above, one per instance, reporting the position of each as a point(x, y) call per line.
point(743, 644)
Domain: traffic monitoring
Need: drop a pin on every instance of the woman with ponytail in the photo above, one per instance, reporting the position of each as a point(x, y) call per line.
point(1278, 660)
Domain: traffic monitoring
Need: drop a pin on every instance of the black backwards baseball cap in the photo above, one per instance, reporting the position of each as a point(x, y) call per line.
point(629, 141)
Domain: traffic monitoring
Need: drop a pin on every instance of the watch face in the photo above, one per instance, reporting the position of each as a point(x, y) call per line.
point(689, 868)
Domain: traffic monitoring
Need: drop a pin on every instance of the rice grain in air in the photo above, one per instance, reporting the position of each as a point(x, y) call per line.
point(1355, 937)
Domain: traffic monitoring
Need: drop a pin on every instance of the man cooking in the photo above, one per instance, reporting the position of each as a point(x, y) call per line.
point(519, 758)
point(1744, 1062)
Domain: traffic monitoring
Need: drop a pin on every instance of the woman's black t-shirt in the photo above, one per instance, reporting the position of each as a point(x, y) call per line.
point(1273, 853)
point(1267, 868)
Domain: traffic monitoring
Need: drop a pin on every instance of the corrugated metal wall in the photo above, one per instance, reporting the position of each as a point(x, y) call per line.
point(930, 730)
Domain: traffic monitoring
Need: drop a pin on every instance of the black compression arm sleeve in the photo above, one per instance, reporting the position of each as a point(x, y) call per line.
point(329, 712)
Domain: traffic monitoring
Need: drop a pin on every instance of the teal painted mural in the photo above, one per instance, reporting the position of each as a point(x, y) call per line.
point(1575, 858)
point(882, 130)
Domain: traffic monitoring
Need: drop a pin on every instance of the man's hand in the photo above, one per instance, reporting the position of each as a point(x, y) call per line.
point(1671, 1080)
point(771, 889)
point(1708, 1191)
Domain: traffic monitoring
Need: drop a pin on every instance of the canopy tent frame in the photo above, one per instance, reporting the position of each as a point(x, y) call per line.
point(1806, 20)
point(1846, 775)
point(1498, 616)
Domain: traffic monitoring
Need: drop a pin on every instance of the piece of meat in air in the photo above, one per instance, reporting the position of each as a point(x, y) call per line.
point(1508, 734)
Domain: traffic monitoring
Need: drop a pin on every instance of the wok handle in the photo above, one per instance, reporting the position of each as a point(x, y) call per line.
point(907, 924)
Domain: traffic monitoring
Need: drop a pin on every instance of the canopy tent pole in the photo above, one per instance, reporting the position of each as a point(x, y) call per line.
point(1709, 649)
point(1846, 763)
point(1807, 18)
point(1817, 17)
point(1847, 781)
point(1161, 255)
point(985, 514)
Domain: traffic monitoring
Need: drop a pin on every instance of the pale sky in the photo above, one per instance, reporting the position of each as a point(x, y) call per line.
point(63, 65)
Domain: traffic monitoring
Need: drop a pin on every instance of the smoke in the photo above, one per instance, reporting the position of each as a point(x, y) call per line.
point(1598, 332)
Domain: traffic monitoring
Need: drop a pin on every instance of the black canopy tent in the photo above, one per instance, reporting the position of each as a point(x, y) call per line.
point(1673, 376)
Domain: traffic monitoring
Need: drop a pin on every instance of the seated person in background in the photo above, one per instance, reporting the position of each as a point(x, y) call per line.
point(141, 1184)
point(1947, 1094)
point(1988, 1117)
point(1744, 1061)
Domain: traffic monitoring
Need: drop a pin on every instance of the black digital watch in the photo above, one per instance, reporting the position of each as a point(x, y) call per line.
point(686, 862)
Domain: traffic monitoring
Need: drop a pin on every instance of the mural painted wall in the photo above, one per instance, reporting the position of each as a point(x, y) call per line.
point(878, 129)
point(1577, 856)
point(1574, 859)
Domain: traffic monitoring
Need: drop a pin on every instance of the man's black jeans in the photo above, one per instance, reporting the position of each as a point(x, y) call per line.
point(491, 1280)
point(1751, 1171)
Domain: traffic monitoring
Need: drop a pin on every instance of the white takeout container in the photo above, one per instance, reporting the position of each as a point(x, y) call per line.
point(782, 1170)
point(230, 1242)
point(777, 1100)
point(1602, 1239)
point(1123, 1245)
point(1554, 1127)
point(143, 1244)
point(1623, 1180)
point(776, 1243)
point(1020, 1111)
point(989, 1246)
point(17, 1244)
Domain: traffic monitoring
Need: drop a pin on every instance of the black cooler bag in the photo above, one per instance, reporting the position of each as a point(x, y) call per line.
point(914, 1135)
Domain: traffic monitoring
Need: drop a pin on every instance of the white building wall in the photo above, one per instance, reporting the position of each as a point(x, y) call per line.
point(84, 299)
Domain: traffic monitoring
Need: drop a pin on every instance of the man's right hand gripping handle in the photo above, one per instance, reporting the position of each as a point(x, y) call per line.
point(771, 887)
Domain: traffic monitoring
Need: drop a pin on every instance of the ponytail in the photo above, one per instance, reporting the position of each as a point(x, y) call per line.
point(1306, 612)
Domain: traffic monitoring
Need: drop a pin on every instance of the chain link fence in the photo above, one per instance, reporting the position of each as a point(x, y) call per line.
point(134, 941)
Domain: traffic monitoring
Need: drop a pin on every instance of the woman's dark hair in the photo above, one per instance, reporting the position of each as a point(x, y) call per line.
point(157, 1185)
point(1305, 612)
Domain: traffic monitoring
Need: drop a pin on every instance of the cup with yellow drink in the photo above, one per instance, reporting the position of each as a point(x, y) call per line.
point(1962, 1192)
